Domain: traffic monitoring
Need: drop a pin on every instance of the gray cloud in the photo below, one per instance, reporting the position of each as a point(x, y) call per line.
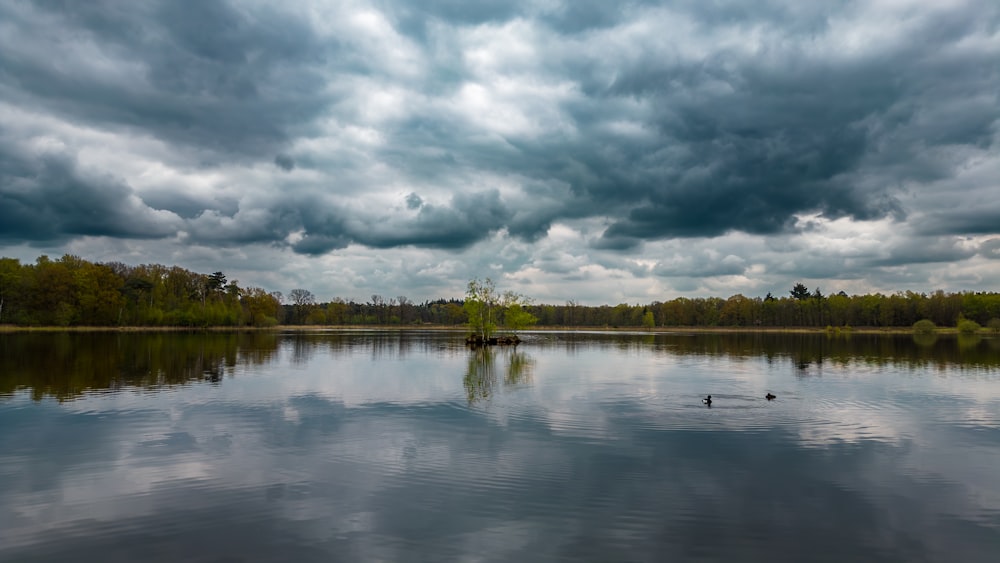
point(204, 74)
point(702, 266)
point(413, 201)
point(48, 197)
point(991, 249)
point(441, 125)
point(284, 162)
point(469, 218)
point(926, 250)
point(975, 217)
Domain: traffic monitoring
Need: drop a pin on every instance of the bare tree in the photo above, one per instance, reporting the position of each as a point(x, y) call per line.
point(404, 308)
point(378, 304)
point(302, 297)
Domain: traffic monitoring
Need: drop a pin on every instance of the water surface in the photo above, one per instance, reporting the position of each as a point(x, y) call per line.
point(407, 446)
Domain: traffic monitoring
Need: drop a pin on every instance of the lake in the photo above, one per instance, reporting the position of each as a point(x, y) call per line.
point(407, 446)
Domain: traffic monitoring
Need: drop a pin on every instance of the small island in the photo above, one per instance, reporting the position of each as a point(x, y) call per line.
point(495, 317)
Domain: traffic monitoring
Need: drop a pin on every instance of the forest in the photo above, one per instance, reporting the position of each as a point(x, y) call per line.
point(71, 291)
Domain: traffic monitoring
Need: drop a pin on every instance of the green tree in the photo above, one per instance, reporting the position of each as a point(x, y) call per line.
point(216, 281)
point(487, 309)
point(800, 292)
point(10, 279)
point(262, 308)
point(517, 318)
point(648, 320)
point(51, 291)
point(480, 305)
point(513, 316)
point(99, 300)
point(968, 326)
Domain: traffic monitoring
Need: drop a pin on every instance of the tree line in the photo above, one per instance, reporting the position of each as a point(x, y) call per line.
point(71, 291)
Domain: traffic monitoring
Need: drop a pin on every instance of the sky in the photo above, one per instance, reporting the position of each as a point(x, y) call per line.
point(576, 150)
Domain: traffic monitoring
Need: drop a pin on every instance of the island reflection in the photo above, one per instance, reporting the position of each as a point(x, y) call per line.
point(481, 380)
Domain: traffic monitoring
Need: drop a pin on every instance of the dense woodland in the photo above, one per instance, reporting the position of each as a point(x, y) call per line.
point(71, 291)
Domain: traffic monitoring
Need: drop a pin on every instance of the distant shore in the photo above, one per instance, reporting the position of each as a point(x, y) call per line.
point(656, 330)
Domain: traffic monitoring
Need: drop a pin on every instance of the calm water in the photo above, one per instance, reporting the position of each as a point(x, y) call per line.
point(365, 446)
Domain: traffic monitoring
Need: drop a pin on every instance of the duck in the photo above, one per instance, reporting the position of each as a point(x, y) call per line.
point(770, 396)
point(707, 400)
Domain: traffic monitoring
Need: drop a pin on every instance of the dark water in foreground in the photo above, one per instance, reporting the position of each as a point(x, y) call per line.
point(364, 446)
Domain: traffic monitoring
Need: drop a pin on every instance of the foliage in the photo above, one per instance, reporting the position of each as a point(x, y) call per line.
point(263, 308)
point(965, 326)
point(800, 292)
point(481, 302)
point(924, 326)
point(489, 310)
point(648, 321)
point(10, 281)
point(517, 318)
point(71, 291)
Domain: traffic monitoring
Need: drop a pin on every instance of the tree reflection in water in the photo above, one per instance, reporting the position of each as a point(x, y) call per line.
point(68, 365)
point(481, 380)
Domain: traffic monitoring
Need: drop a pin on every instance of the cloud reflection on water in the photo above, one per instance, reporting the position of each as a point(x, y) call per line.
point(347, 452)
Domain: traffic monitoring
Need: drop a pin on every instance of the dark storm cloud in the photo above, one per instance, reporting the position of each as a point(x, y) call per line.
point(790, 137)
point(977, 217)
point(323, 227)
point(47, 197)
point(923, 250)
point(284, 162)
point(741, 141)
point(318, 244)
point(199, 73)
point(457, 11)
point(584, 15)
point(664, 119)
point(413, 18)
point(467, 219)
point(990, 249)
point(413, 201)
point(699, 267)
point(254, 222)
point(615, 242)
point(189, 205)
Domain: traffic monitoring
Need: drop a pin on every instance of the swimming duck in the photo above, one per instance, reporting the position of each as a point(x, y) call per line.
point(770, 396)
point(707, 400)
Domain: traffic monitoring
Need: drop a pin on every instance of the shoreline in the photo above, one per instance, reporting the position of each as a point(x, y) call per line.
point(459, 328)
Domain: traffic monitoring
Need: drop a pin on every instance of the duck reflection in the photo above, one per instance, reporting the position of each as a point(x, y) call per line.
point(481, 379)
